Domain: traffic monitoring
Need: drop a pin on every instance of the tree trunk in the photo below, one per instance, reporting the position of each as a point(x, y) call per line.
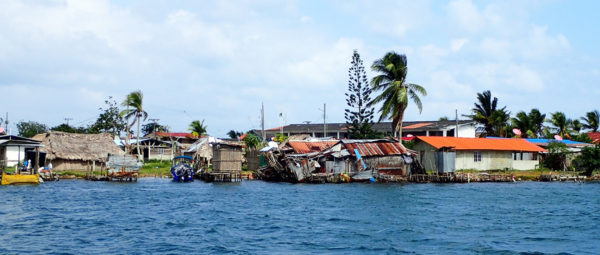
point(138, 138)
point(399, 123)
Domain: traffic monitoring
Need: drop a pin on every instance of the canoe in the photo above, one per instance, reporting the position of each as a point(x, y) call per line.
point(8, 179)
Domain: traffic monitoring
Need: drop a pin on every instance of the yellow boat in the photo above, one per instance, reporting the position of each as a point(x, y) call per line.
point(8, 179)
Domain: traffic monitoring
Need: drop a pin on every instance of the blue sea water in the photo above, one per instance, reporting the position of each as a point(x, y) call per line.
point(156, 216)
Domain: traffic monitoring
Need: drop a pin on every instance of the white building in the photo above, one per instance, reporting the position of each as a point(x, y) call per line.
point(446, 154)
point(12, 149)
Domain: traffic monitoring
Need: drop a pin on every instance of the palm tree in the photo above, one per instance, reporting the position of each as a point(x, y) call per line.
point(486, 112)
point(560, 123)
point(576, 125)
point(523, 123)
point(133, 102)
point(197, 127)
point(537, 121)
point(592, 120)
point(234, 134)
point(530, 124)
point(395, 92)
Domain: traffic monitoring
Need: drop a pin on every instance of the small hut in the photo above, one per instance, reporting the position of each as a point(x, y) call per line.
point(201, 151)
point(71, 151)
point(227, 162)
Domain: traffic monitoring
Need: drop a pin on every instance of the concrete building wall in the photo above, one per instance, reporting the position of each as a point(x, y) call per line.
point(13, 153)
point(490, 160)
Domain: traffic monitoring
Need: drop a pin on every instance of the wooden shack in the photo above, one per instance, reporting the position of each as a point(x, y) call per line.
point(227, 162)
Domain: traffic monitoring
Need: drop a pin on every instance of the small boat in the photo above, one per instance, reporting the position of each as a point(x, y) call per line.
point(182, 170)
point(8, 179)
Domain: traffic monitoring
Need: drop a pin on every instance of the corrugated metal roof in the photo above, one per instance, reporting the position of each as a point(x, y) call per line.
point(302, 147)
point(369, 148)
point(175, 134)
point(488, 144)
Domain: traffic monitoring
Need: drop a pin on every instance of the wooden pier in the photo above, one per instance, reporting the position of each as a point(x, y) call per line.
point(225, 176)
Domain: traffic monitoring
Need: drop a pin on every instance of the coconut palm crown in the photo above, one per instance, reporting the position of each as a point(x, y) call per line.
point(591, 120)
point(134, 109)
point(395, 91)
point(197, 128)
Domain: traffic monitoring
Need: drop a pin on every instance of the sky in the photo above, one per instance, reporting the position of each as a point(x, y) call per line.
point(217, 61)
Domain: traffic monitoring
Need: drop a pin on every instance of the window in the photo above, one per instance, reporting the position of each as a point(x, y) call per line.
point(517, 155)
point(161, 151)
point(477, 156)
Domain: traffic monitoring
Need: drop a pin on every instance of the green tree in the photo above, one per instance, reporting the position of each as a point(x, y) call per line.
point(31, 128)
point(198, 128)
point(557, 156)
point(591, 120)
point(530, 124)
point(234, 134)
point(134, 110)
point(444, 118)
point(560, 123)
point(251, 140)
point(487, 113)
point(69, 129)
point(153, 127)
point(359, 116)
point(576, 126)
point(588, 160)
point(537, 121)
point(395, 91)
point(109, 120)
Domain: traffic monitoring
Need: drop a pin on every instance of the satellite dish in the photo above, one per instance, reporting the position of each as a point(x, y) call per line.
point(558, 137)
point(409, 135)
point(516, 131)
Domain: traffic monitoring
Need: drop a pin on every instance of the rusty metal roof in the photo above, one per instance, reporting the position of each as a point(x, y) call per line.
point(302, 147)
point(369, 148)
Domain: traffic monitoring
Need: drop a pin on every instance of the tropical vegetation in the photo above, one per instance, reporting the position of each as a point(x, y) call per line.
point(197, 128)
point(135, 111)
point(395, 92)
point(358, 115)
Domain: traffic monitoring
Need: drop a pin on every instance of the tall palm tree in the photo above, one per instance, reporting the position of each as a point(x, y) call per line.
point(576, 125)
point(537, 121)
point(486, 112)
point(395, 91)
point(134, 103)
point(530, 124)
point(560, 123)
point(198, 128)
point(523, 122)
point(592, 120)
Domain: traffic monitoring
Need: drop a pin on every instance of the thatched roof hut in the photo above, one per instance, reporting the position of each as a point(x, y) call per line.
point(70, 151)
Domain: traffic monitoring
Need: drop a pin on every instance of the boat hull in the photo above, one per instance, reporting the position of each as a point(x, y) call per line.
point(8, 179)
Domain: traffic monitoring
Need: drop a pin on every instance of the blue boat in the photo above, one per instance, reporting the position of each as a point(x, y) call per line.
point(182, 169)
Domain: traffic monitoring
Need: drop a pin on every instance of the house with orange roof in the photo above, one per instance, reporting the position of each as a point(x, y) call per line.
point(446, 154)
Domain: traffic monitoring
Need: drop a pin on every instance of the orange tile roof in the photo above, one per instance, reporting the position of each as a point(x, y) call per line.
point(302, 147)
point(484, 144)
point(418, 125)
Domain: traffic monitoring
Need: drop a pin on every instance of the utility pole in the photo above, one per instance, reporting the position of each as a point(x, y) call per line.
point(282, 121)
point(456, 129)
point(324, 120)
point(262, 120)
point(67, 120)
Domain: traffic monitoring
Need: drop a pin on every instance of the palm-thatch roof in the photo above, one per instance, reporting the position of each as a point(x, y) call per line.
point(71, 146)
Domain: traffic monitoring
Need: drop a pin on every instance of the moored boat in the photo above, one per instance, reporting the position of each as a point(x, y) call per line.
point(182, 169)
point(8, 179)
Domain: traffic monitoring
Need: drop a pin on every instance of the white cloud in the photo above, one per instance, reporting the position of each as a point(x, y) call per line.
point(457, 44)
